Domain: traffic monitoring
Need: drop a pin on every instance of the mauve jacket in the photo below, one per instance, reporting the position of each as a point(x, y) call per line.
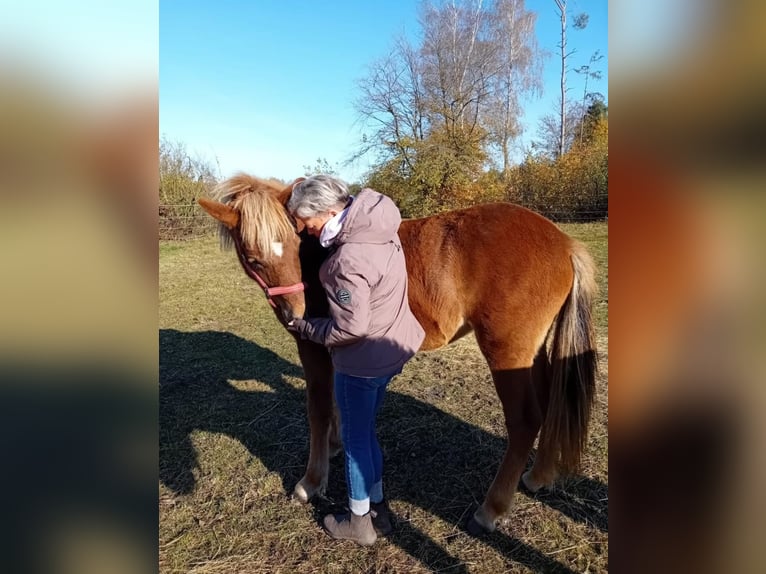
point(371, 331)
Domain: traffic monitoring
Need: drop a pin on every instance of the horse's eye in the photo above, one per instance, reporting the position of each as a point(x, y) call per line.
point(253, 261)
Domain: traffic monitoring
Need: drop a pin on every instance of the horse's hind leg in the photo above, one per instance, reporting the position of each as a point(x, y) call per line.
point(514, 385)
point(543, 471)
point(323, 425)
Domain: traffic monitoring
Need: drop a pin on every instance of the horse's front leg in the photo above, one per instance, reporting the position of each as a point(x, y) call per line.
point(323, 427)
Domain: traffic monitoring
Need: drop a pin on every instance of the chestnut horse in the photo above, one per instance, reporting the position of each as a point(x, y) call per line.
point(506, 273)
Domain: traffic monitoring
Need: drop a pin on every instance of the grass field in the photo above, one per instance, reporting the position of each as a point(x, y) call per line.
point(234, 441)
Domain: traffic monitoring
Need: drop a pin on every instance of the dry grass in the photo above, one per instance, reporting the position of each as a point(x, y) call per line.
point(233, 443)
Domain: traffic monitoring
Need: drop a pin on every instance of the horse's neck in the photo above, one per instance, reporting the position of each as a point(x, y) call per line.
point(312, 255)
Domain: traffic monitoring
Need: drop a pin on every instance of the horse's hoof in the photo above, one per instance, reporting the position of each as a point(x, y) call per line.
point(479, 525)
point(474, 529)
point(304, 492)
point(529, 484)
point(301, 493)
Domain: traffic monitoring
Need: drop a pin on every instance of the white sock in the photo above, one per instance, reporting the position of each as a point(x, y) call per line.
point(359, 507)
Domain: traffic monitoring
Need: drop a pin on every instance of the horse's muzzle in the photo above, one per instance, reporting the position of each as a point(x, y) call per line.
point(287, 313)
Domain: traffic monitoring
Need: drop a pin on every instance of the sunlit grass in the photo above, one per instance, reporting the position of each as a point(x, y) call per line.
point(233, 442)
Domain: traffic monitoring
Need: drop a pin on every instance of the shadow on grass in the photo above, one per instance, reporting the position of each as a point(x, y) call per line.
point(434, 460)
point(580, 498)
point(195, 394)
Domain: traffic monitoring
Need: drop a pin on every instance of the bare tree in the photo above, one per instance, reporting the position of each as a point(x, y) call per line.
point(580, 22)
point(562, 6)
point(458, 89)
point(392, 101)
point(589, 73)
point(549, 130)
point(519, 72)
point(458, 63)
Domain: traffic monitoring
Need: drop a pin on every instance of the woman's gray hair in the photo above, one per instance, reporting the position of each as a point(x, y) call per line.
point(317, 194)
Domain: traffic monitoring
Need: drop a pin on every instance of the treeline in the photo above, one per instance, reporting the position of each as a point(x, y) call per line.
point(183, 179)
point(445, 113)
point(442, 117)
point(573, 187)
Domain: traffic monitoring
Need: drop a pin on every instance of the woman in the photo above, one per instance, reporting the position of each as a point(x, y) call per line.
point(371, 332)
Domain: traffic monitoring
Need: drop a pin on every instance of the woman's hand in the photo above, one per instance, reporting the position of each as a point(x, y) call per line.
point(297, 325)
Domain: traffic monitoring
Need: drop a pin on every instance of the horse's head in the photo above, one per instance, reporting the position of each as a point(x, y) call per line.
point(253, 219)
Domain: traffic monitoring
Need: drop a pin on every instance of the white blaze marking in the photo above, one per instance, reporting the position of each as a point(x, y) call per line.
point(276, 247)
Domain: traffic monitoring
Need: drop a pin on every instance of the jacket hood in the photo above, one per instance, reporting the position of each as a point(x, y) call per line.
point(372, 218)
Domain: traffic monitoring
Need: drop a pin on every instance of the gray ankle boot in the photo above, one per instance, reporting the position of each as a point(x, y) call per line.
point(351, 526)
point(381, 519)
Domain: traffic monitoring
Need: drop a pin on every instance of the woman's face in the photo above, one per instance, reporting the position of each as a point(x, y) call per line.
point(315, 223)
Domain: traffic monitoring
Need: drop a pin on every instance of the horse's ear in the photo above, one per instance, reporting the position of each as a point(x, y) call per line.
point(223, 213)
point(284, 197)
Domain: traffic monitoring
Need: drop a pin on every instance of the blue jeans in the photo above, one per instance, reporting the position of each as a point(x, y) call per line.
point(359, 400)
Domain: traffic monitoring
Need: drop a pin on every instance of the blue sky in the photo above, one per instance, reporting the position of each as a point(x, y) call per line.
point(268, 87)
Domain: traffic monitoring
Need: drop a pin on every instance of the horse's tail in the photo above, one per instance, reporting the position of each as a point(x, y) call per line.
point(574, 364)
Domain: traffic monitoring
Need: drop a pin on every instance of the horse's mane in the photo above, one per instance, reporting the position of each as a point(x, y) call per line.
point(263, 219)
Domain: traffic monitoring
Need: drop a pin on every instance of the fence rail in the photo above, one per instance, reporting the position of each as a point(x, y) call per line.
point(188, 221)
point(178, 221)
